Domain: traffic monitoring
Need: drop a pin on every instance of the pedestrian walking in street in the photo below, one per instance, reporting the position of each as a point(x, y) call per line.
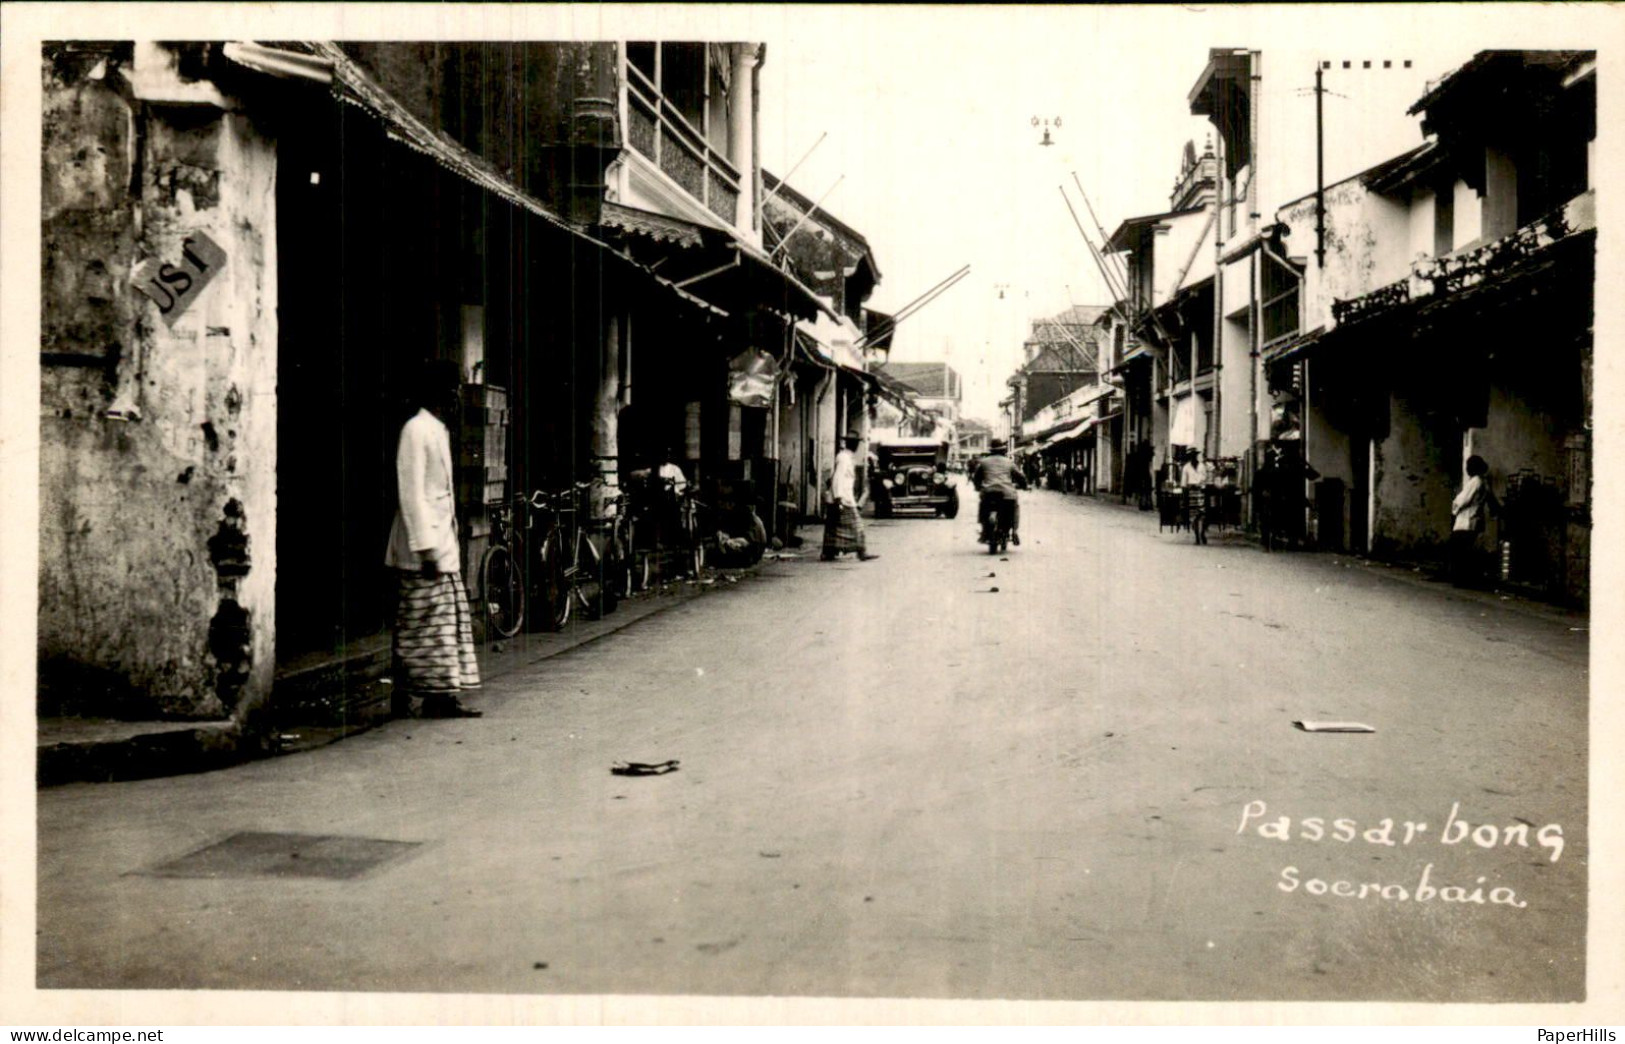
point(843, 520)
point(1138, 481)
point(1468, 516)
point(1193, 476)
point(1266, 496)
point(434, 628)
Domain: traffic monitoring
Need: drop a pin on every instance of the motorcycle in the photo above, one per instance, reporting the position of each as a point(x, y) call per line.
point(998, 524)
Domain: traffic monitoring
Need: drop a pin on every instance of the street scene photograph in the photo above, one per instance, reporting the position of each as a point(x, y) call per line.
point(969, 504)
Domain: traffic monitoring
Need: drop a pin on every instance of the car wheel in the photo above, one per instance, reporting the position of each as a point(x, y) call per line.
point(951, 509)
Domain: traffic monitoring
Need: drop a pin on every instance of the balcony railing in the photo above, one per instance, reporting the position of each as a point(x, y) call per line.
point(1355, 309)
point(1280, 315)
point(1453, 273)
point(657, 130)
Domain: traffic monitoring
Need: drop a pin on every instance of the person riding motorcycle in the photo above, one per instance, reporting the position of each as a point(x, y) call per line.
point(997, 478)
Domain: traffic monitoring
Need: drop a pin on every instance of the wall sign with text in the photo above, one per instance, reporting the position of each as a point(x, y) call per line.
point(174, 285)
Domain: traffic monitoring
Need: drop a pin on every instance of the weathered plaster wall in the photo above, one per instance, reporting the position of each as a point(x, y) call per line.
point(158, 455)
point(1367, 246)
point(1328, 445)
point(1180, 245)
point(1519, 435)
point(1467, 217)
point(1235, 416)
point(1424, 216)
point(1413, 467)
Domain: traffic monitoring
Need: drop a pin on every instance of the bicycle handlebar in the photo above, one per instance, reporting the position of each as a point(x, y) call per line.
point(545, 500)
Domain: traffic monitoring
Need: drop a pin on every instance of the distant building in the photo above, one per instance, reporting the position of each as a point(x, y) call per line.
point(975, 439)
point(1060, 355)
point(935, 388)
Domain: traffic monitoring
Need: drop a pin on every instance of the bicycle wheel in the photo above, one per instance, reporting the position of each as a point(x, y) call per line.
point(502, 592)
point(553, 585)
point(697, 557)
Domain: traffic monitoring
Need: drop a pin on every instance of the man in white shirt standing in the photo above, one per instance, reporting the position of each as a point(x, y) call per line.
point(434, 628)
point(1468, 514)
point(1196, 476)
point(671, 475)
point(843, 524)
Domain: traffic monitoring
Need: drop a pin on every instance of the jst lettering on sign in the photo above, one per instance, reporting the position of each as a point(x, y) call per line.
point(174, 286)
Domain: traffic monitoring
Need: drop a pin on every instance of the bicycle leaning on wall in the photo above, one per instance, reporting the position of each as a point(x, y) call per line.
point(548, 558)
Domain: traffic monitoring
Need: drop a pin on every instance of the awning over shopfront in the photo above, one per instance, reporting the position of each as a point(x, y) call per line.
point(1293, 349)
point(777, 287)
point(658, 227)
point(719, 266)
point(1136, 354)
point(815, 351)
point(1066, 434)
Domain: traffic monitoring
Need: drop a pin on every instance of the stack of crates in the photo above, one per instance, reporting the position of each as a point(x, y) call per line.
point(482, 461)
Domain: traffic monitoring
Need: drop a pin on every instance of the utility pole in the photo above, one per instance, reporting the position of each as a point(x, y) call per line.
point(1320, 168)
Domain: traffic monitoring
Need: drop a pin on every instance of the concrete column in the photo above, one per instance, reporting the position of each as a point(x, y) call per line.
point(606, 415)
point(741, 114)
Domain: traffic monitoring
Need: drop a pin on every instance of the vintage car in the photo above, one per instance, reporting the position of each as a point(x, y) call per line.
point(912, 475)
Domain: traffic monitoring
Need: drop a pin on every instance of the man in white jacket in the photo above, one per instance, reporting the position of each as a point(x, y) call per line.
point(434, 629)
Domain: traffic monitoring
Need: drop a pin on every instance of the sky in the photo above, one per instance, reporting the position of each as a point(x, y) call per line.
point(928, 113)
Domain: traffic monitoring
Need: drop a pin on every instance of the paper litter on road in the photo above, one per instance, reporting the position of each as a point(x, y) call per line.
point(1333, 726)
point(638, 768)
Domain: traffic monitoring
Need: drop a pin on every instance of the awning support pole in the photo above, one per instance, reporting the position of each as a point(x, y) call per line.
point(707, 275)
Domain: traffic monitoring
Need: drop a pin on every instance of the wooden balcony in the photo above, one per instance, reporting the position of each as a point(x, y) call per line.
point(661, 134)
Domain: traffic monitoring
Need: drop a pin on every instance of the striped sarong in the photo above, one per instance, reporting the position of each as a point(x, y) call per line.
point(843, 529)
point(434, 634)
